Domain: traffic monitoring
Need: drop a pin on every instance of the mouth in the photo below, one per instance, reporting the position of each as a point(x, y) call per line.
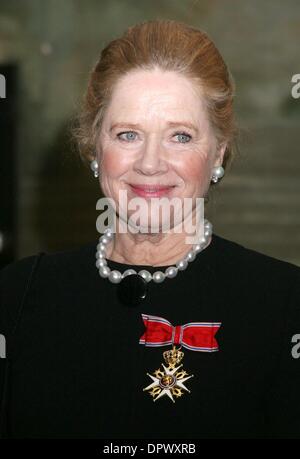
point(152, 190)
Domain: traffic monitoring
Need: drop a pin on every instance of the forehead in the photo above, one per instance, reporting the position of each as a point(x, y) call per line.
point(149, 94)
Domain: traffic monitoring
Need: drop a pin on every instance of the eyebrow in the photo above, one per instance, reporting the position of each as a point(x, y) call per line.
point(169, 124)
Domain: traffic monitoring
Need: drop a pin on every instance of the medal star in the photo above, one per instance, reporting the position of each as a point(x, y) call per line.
point(171, 383)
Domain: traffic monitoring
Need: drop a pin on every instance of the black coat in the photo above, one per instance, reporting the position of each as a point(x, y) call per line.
point(75, 367)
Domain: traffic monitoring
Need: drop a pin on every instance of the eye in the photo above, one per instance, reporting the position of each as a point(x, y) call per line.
point(129, 136)
point(183, 137)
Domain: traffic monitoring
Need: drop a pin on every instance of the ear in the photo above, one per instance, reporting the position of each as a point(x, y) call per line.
point(219, 155)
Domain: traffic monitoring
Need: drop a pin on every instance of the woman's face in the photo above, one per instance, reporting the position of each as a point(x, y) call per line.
point(155, 132)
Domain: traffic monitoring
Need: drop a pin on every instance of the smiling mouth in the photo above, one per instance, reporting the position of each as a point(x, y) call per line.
point(151, 190)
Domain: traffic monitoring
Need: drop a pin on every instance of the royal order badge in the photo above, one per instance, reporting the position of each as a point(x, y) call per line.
point(195, 336)
point(169, 381)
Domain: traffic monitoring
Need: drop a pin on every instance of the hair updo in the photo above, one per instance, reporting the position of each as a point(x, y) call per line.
point(171, 46)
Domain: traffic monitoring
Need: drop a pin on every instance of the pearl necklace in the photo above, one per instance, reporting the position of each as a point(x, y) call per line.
point(158, 276)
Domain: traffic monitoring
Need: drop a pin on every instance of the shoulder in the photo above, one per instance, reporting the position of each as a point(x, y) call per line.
point(50, 269)
point(267, 287)
point(260, 276)
point(16, 273)
point(233, 254)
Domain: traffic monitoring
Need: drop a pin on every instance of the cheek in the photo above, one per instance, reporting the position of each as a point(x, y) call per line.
point(114, 165)
point(195, 168)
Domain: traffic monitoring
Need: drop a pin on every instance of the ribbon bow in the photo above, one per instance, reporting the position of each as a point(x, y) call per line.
point(196, 336)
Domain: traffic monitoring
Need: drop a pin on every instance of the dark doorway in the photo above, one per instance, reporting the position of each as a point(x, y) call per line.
point(8, 182)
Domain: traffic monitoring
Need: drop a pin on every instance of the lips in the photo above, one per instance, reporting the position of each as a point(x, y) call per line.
point(151, 190)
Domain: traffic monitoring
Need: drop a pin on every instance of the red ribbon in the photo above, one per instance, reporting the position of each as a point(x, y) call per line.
point(196, 336)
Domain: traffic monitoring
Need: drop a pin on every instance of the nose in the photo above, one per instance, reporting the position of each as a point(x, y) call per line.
point(151, 158)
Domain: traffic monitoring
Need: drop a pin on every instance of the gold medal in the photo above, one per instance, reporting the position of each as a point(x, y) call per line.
point(169, 381)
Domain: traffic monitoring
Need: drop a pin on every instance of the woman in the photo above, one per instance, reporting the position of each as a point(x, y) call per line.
point(86, 352)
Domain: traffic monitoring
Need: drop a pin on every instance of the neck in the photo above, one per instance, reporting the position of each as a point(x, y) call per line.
point(156, 249)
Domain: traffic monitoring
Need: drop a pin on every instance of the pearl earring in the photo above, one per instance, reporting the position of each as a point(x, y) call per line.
point(95, 167)
point(218, 173)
